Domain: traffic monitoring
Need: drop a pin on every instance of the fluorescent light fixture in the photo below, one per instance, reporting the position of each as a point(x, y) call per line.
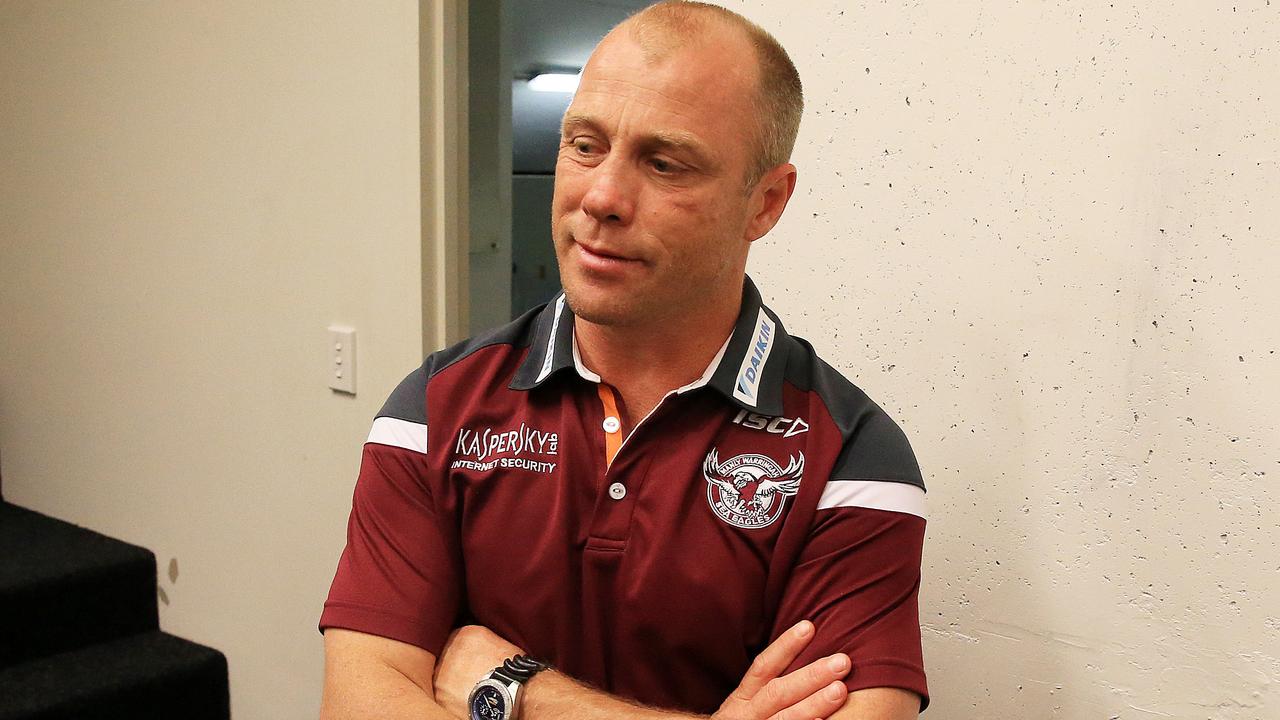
point(554, 82)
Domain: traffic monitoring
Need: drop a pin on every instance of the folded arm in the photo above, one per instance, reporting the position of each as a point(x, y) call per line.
point(366, 676)
point(556, 696)
point(373, 677)
point(814, 691)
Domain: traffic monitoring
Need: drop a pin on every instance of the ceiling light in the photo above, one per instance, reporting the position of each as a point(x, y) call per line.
point(554, 82)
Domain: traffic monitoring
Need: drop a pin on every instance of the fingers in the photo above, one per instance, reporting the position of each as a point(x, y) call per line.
point(818, 705)
point(809, 683)
point(814, 691)
point(771, 661)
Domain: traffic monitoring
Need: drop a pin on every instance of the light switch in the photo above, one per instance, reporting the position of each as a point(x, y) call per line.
point(342, 358)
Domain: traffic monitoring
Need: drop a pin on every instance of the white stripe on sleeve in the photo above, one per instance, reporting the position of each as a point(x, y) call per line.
point(874, 494)
point(399, 433)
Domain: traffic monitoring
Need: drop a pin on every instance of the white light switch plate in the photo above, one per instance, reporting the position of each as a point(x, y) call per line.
point(342, 359)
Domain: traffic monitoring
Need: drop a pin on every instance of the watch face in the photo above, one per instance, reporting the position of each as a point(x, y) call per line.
point(488, 704)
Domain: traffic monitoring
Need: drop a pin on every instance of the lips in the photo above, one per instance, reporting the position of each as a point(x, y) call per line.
point(597, 260)
point(602, 253)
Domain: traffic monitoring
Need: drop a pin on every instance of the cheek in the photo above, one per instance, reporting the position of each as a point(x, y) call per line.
point(685, 212)
point(559, 196)
point(706, 218)
point(569, 188)
point(561, 205)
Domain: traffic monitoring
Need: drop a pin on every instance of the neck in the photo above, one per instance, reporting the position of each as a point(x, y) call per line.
point(645, 362)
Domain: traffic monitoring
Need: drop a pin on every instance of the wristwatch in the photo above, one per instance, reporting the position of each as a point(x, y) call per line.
point(496, 695)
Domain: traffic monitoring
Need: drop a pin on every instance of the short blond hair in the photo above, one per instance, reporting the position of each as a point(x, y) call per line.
point(670, 25)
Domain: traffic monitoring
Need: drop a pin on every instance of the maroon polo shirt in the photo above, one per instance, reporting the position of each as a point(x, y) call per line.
point(498, 487)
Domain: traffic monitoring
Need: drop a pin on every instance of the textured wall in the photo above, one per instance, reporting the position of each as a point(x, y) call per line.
point(1044, 236)
point(191, 193)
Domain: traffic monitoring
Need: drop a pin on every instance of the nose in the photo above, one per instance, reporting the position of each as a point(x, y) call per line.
point(610, 198)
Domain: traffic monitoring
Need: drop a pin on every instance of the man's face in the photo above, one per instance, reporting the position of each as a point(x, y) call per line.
point(650, 212)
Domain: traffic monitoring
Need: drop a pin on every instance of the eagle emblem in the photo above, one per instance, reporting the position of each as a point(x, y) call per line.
point(750, 490)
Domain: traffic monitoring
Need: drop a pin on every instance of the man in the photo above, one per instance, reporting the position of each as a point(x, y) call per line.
point(647, 481)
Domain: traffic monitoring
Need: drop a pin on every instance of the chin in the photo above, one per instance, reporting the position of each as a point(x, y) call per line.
point(600, 308)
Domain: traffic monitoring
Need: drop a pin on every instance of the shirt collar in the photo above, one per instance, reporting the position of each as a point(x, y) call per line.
point(748, 370)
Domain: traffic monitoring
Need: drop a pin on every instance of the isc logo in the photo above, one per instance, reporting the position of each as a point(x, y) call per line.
point(784, 426)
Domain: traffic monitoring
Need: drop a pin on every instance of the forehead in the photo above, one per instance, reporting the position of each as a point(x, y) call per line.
point(704, 88)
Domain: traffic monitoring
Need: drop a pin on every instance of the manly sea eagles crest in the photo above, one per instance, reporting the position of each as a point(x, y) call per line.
point(749, 491)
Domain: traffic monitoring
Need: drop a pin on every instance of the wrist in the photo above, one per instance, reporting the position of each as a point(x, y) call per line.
point(501, 693)
point(553, 694)
point(542, 690)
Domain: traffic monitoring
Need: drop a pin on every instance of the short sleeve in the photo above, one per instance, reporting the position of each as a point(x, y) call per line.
point(858, 575)
point(400, 573)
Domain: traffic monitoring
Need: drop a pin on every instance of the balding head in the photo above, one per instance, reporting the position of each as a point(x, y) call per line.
point(666, 27)
point(650, 219)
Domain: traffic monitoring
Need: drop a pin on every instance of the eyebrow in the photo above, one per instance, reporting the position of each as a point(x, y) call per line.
point(671, 140)
point(573, 121)
point(680, 142)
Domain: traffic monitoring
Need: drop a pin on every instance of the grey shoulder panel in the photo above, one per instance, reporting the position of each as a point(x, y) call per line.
point(409, 400)
point(517, 333)
point(875, 448)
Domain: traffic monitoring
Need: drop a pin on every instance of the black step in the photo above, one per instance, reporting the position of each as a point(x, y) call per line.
point(153, 675)
point(63, 587)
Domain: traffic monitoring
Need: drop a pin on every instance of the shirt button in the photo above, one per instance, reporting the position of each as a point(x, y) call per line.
point(617, 491)
point(611, 424)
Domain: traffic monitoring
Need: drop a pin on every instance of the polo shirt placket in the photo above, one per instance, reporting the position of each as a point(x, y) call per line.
point(500, 487)
point(609, 532)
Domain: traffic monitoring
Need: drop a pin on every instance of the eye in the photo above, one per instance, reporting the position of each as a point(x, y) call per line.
point(584, 146)
point(663, 166)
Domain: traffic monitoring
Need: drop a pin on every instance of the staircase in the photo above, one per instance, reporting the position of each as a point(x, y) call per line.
point(79, 631)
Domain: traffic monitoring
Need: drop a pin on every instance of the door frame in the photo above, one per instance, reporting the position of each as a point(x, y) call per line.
point(443, 142)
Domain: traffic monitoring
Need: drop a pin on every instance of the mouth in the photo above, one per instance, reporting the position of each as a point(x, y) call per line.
point(597, 258)
point(599, 251)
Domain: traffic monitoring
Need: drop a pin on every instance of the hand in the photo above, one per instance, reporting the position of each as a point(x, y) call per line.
point(468, 655)
point(814, 691)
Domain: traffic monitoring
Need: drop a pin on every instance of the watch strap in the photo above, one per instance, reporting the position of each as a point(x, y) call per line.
point(519, 669)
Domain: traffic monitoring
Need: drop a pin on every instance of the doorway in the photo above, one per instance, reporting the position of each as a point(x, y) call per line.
point(514, 132)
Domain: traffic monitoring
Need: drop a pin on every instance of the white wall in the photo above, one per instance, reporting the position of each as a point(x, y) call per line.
point(192, 192)
point(1044, 236)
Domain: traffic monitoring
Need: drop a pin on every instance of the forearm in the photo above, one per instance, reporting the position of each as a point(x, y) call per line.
point(368, 678)
point(390, 697)
point(553, 695)
point(384, 703)
point(378, 692)
point(880, 704)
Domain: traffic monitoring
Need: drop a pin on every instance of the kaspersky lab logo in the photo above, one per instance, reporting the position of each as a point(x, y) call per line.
point(747, 389)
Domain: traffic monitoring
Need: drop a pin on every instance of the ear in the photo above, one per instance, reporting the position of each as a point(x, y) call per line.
point(768, 200)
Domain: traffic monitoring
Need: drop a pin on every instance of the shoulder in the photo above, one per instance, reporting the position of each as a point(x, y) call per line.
point(515, 336)
point(874, 446)
point(503, 346)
